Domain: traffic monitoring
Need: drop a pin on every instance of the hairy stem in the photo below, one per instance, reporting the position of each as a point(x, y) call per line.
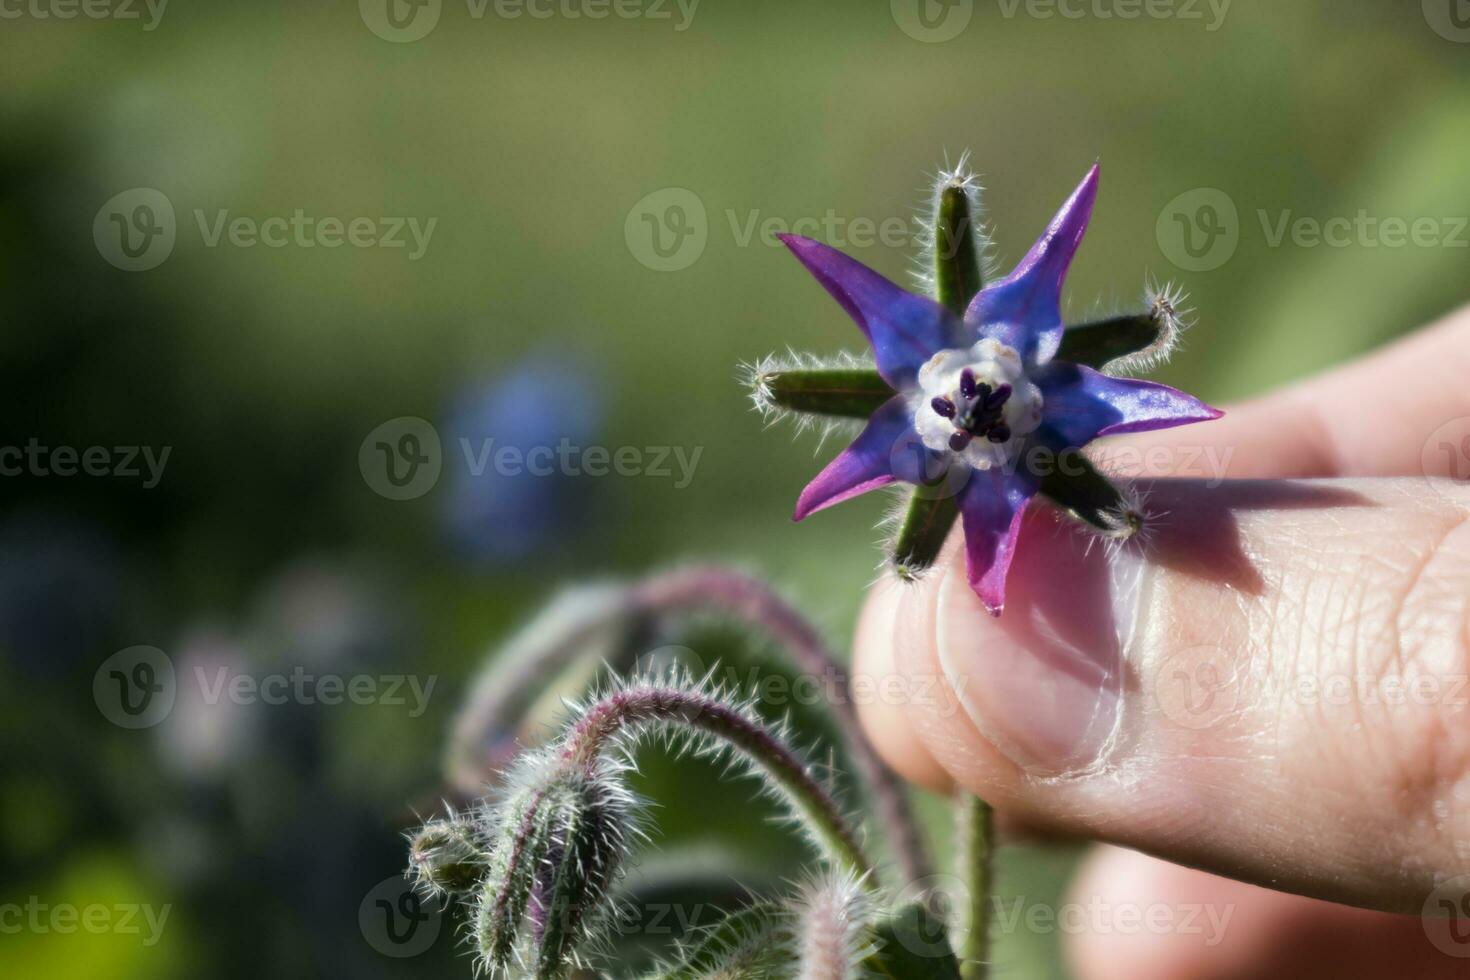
point(975, 828)
point(576, 628)
point(753, 602)
point(648, 706)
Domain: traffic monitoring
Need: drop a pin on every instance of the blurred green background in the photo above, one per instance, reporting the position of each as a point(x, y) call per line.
point(542, 148)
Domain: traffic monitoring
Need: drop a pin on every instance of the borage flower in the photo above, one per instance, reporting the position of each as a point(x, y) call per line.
point(971, 402)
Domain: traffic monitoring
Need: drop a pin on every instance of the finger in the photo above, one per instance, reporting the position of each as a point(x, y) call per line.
point(1135, 916)
point(1296, 432)
point(900, 745)
point(1394, 412)
point(1274, 691)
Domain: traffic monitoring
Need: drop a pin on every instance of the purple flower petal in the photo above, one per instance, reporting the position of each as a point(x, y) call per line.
point(1081, 404)
point(865, 465)
point(991, 510)
point(1024, 310)
point(904, 330)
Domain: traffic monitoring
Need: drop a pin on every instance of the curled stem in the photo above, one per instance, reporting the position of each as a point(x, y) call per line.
point(576, 627)
point(656, 705)
point(750, 600)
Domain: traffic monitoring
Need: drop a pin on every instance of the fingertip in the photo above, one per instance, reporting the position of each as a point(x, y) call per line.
point(876, 661)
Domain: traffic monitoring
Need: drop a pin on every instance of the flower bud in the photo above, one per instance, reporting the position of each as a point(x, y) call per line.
point(447, 858)
point(561, 843)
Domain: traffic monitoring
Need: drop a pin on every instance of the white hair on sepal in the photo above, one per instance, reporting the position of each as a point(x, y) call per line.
point(756, 376)
point(959, 175)
point(1168, 306)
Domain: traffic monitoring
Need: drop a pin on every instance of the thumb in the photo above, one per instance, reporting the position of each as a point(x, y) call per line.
point(1272, 686)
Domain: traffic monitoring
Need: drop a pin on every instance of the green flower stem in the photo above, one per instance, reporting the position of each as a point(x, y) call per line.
point(958, 277)
point(975, 827)
point(643, 707)
point(839, 392)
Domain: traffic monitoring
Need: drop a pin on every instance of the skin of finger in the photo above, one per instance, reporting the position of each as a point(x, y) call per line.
point(1370, 417)
point(1353, 801)
point(1140, 917)
point(900, 745)
point(1298, 432)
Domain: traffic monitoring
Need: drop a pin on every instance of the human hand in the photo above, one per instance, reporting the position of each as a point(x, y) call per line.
point(1272, 689)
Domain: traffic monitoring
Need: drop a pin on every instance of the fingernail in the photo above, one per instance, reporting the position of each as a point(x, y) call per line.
point(1043, 683)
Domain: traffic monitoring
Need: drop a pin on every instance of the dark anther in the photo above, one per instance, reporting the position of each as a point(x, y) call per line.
point(997, 398)
point(959, 440)
point(967, 383)
point(943, 407)
point(1000, 433)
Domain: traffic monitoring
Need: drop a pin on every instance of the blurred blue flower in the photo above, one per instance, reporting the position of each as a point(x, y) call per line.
point(508, 490)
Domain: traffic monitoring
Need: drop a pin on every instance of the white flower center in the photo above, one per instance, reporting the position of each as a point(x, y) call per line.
point(976, 403)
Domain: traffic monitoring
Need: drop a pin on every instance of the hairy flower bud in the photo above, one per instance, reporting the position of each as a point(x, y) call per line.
point(447, 858)
point(561, 839)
